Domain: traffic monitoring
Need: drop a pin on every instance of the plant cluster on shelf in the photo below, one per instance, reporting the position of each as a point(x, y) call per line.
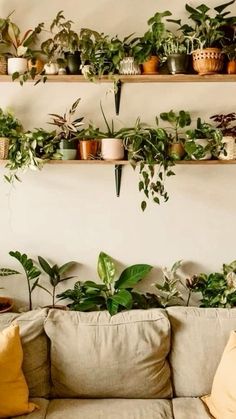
point(208, 38)
point(118, 292)
point(154, 149)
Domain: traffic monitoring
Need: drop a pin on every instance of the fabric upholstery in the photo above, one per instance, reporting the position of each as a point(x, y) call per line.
point(14, 393)
point(190, 408)
point(36, 366)
point(39, 413)
point(198, 339)
point(222, 401)
point(109, 409)
point(96, 355)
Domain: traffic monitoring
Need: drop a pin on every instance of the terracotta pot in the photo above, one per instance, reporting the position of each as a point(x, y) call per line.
point(151, 66)
point(176, 151)
point(8, 301)
point(208, 61)
point(88, 149)
point(231, 67)
point(37, 64)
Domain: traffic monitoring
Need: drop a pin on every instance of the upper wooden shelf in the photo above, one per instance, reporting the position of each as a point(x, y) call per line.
point(125, 162)
point(158, 78)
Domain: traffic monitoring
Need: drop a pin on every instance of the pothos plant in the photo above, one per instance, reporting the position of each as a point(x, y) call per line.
point(203, 130)
point(148, 148)
point(178, 121)
point(113, 294)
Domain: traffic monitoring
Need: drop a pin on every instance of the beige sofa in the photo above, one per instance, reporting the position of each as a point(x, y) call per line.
point(139, 364)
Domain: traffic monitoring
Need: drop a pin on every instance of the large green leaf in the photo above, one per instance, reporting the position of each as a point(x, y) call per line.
point(222, 7)
point(106, 268)
point(45, 266)
point(112, 307)
point(132, 275)
point(64, 268)
point(8, 272)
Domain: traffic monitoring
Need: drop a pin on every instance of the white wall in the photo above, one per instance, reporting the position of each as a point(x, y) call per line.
point(71, 212)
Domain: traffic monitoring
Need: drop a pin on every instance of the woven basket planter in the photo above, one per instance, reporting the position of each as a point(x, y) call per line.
point(4, 148)
point(208, 61)
point(3, 65)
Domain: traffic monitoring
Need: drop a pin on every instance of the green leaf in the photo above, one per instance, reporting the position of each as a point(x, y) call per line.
point(106, 268)
point(8, 272)
point(222, 7)
point(143, 205)
point(64, 268)
point(122, 298)
point(112, 307)
point(132, 275)
point(45, 266)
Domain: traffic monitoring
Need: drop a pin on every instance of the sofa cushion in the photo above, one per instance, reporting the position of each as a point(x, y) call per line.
point(199, 336)
point(109, 409)
point(37, 414)
point(96, 355)
point(36, 367)
point(189, 408)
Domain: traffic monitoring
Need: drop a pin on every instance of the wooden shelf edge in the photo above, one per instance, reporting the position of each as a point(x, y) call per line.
point(125, 162)
point(158, 78)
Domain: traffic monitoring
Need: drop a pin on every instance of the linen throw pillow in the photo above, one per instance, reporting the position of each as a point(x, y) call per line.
point(222, 400)
point(14, 392)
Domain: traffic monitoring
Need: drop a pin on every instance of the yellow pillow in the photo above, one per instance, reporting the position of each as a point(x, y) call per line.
point(14, 392)
point(222, 400)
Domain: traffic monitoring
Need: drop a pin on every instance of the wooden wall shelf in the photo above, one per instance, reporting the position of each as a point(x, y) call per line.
point(159, 78)
point(125, 162)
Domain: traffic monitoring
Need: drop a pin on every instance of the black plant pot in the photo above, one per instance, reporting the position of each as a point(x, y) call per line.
point(177, 63)
point(73, 62)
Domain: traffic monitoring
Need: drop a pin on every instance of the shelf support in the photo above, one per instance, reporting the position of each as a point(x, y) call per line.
point(118, 176)
point(117, 90)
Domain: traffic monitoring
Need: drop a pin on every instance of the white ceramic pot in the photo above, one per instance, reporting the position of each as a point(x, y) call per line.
point(229, 147)
point(203, 143)
point(129, 67)
point(112, 149)
point(19, 65)
point(51, 68)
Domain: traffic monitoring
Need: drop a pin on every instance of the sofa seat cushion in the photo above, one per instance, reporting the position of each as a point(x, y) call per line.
point(35, 344)
point(39, 413)
point(189, 408)
point(109, 409)
point(94, 355)
point(199, 336)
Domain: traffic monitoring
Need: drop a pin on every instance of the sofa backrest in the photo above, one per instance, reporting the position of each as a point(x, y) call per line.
point(198, 338)
point(94, 355)
point(36, 365)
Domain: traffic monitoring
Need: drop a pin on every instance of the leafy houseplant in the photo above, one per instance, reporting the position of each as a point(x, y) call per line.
point(230, 52)
point(68, 131)
point(168, 291)
point(149, 148)
point(176, 51)
point(177, 121)
point(203, 142)
point(113, 294)
point(226, 124)
point(55, 274)
point(31, 271)
point(9, 128)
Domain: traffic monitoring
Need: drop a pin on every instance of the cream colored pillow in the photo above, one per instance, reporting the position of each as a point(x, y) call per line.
point(222, 401)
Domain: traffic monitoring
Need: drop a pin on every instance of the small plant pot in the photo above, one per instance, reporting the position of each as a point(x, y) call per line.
point(19, 65)
point(151, 66)
point(51, 68)
point(129, 67)
point(177, 151)
point(112, 149)
point(4, 148)
point(68, 149)
point(204, 155)
point(6, 304)
point(177, 63)
point(229, 147)
point(208, 61)
point(37, 64)
point(3, 66)
point(88, 149)
point(73, 62)
point(231, 67)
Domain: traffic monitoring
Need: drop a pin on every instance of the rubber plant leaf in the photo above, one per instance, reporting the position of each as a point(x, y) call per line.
point(132, 275)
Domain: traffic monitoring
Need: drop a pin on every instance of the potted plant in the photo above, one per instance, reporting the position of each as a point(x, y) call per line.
point(148, 148)
point(208, 35)
point(68, 131)
point(226, 123)
point(113, 294)
point(176, 50)
point(230, 52)
point(150, 46)
point(124, 55)
point(203, 142)
point(177, 121)
point(9, 128)
point(56, 276)
point(49, 48)
point(89, 142)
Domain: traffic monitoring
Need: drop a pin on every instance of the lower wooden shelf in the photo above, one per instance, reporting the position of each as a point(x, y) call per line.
point(126, 162)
